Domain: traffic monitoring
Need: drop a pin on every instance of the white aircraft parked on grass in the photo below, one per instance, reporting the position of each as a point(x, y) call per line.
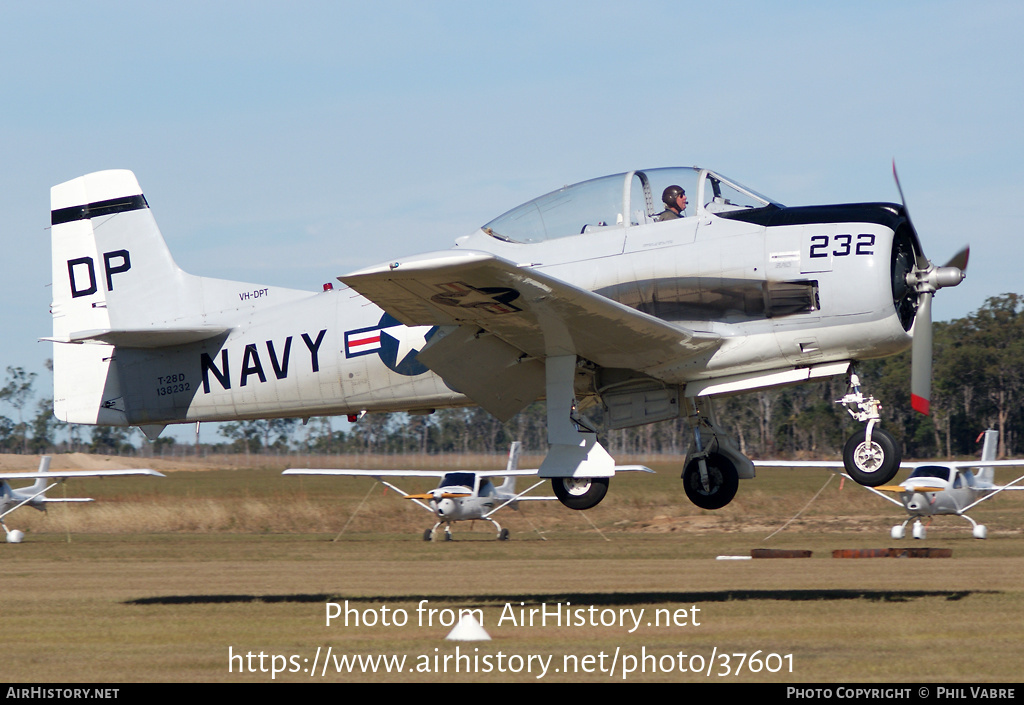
point(459, 496)
point(934, 489)
point(588, 297)
point(35, 495)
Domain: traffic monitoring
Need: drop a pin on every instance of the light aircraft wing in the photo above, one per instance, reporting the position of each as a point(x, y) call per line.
point(353, 472)
point(534, 471)
point(532, 315)
point(967, 465)
point(833, 465)
point(435, 473)
point(67, 474)
point(799, 463)
point(964, 465)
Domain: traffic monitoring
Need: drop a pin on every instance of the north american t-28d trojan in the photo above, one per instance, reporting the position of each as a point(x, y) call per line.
point(591, 297)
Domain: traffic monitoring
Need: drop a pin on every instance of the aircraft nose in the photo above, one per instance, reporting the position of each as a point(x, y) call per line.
point(445, 507)
point(917, 503)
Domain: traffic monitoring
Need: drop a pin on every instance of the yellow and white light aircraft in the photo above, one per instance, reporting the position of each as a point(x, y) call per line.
point(935, 488)
point(594, 297)
point(34, 495)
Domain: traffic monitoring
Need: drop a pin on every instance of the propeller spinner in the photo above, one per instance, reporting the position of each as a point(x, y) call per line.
point(921, 279)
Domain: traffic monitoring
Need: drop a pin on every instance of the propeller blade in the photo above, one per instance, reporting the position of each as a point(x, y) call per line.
point(901, 488)
point(960, 259)
point(926, 279)
point(922, 261)
point(921, 356)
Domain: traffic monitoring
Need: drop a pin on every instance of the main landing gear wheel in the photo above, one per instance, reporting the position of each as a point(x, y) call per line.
point(503, 535)
point(580, 492)
point(723, 481)
point(872, 464)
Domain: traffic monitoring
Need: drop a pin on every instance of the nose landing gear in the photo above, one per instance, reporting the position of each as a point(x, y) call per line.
point(871, 457)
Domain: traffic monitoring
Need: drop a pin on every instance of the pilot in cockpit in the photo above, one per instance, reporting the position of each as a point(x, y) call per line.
point(675, 200)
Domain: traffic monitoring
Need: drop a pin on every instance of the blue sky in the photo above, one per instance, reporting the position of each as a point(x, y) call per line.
point(289, 143)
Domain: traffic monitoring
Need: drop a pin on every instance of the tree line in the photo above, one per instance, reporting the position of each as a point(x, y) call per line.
point(978, 383)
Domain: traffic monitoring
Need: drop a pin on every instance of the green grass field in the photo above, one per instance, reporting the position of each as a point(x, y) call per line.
point(167, 580)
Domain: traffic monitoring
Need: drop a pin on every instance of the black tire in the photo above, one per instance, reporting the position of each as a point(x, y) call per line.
point(875, 465)
point(428, 535)
point(503, 535)
point(580, 492)
point(723, 481)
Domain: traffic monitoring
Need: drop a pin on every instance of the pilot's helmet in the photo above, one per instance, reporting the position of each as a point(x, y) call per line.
point(670, 195)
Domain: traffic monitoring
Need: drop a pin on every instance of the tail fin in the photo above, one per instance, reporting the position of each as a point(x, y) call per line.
point(509, 485)
point(988, 452)
point(114, 283)
point(114, 280)
point(41, 482)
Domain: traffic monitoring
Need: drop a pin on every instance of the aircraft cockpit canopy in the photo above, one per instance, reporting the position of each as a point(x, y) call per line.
point(931, 471)
point(620, 201)
point(459, 479)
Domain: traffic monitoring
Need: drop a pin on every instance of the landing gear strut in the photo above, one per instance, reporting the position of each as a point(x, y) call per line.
point(431, 533)
point(871, 457)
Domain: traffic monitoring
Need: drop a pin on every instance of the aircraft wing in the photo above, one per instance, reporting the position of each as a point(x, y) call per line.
point(368, 473)
point(967, 465)
point(828, 464)
point(534, 471)
point(833, 465)
point(435, 473)
point(66, 474)
point(51, 500)
point(530, 316)
point(353, 472)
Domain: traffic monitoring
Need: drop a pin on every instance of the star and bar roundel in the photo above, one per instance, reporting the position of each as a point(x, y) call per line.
point(396, 344)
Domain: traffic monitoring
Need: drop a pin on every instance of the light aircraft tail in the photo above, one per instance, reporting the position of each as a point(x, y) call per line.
point(988, 452)
point(41, 483)
point(509, 485)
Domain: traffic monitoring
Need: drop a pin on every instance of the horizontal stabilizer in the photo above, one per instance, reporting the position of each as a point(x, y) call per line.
point(145, 337)
point(51, 500)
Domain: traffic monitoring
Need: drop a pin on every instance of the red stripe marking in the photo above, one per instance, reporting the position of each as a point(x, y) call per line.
point(920, 404)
